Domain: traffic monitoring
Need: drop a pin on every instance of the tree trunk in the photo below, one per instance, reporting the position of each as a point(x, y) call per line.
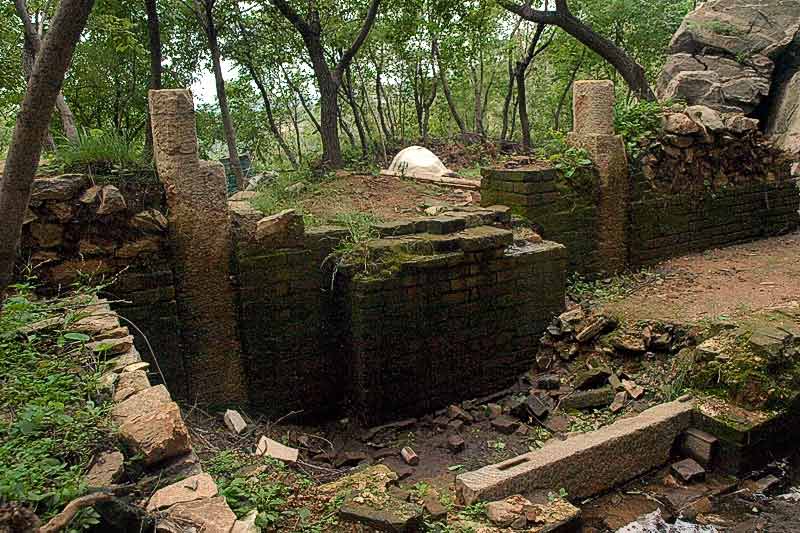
point(379, 99)
point(276, 132)
point(33, 44)
point(560, 106)
point(446, 90)
point(302, 100)
point(222, 98)
point(154, 43)
point(32, 123)
point(519, 74)
point(507, 100)
point(357, 117)
point(329, 111)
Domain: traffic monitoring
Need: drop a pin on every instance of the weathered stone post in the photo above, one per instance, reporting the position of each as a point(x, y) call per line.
point(200, 235)
point(593, 130)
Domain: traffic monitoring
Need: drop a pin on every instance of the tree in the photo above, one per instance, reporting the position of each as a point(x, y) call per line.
point(204, 10)
point(631, 71)
point(32, 124)
point(31, 49)
point(154, 41)
point(519, 72)
point(328, 80)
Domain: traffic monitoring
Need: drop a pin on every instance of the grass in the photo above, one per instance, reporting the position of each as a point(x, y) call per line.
point(594, 291)
point(287, 190)
point(100, 153)
point(53, 415)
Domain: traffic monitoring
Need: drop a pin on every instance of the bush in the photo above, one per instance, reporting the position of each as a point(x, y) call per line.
point(52, 420)
point(638, 123)
point(99, 152)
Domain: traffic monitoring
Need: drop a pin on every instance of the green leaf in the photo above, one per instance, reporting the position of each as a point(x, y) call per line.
point(75, 336)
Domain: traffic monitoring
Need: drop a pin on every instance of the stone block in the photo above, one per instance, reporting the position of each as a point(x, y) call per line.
point(281, 230)
point(210, 515)
point(588, 463)
point(444, 225)
point(197, 487)
point(106, 469)
point(593, 107)
point(64, 187)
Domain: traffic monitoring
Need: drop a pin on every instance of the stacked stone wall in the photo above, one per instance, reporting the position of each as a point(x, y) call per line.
point(77, 229)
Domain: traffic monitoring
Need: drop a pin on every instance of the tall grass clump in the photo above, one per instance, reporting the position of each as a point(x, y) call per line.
point(100, 152)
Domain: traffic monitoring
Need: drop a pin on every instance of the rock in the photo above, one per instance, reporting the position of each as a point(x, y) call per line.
point(151, 424)
point(571, 317)
point(90, 195)
point(619, 402)
point(502, 513)
point(614, 381)
point(47, 235)
point(435, 210)
point(106, 469)
point(688, 471)
point(558, 423)
point(706, 117)
point(699, 445)
point(210, 515)
point(591, 378)
point(494, 410)
point(629, 343)
point(149, 221)
point(296, 188)
point(455, 425)
point(434, 508)
point(63, 211)
point(145, 245)
point(783, 121)
point(281, 230)
point(768, 341)
point(680, 124)
point(197, 487)
point(762, 485)
point(547, 382)
point(247, 524)
point(578, 400)
point(409, 456)
point(349, 459)
point(458, 413)
point(383, 453)
point(96, 246)
point(403, 472)
point(110, 347)
point(455, 443)
point(592, 330)
point(64, 187)
point(243, 196)
point(111, 201)
point(394, 515)
point(636, 391)
point(537, 407)
point(130, 383)
point(234, 421)
point(276, 450)
point(505, 424)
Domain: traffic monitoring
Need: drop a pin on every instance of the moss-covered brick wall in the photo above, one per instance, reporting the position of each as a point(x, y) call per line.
point(563, 211)
point(459, 323)
point(664, 225)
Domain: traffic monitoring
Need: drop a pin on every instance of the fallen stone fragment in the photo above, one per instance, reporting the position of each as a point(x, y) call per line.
point(629, 343)
point(591, 378)
point(547, 382)
point(234, 421)
point(537, 407)
point(619, 402)
point(588, 398)
point(494, 410)
point(276, 450)
point(409, 456)
point(592, 330)
point(284, 229)
point(106, 469)
point(193, 488)
point(762, 485)
point(90, 194)
point(504, 512)
point(349, 459)
point(688, 470)
point(505, 424)
point(394, 515)
point(247, 524)
point(458, 413)
point(149, 221)
point(573, 316)
point(210, 515)
point(614, 381)
point(455, 443)
point(699, 445)
point(636, 391)
point(434, 508)
point(558, 423)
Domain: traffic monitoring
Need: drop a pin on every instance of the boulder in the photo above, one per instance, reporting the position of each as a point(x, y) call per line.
point(680, 124)
point(198, 487)
point(64, 187)
point(111, 201)
point(417, 161)
point(149, 221)
point(783, 120)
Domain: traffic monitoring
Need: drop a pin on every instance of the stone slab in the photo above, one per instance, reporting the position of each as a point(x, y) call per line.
point(586, 464)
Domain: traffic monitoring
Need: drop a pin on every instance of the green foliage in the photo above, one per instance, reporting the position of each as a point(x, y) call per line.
point(52, 416)
point(573, 163)
point(475, 511)
point(583, 289)
point(287, 190)
point(638, 123)
point(99, 152)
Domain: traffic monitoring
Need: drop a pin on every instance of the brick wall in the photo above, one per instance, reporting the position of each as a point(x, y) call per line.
point(114, 234)
point(562, 212)
point(664, 225)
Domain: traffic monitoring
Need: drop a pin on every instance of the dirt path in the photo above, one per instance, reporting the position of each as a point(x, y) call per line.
point(731, 282)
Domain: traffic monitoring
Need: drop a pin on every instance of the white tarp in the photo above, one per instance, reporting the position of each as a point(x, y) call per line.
point(418, 161)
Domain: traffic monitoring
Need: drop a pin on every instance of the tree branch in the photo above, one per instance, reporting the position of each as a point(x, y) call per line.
point(293, 17)
point(351, 52)
point(63, 519)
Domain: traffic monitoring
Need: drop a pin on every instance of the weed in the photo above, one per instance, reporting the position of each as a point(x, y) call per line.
point(638, 123)
point(562, 494)
point(52, 416)
point(572, 162)
point(419, 490)
point(582, 289)
point(474, 511)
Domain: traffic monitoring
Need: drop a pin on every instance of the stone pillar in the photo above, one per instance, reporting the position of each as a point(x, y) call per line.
point(593, 130)
point(200, 235)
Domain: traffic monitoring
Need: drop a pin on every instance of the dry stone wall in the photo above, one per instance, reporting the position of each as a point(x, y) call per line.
point(76, 228)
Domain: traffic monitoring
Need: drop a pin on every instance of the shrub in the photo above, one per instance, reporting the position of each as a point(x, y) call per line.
point(638, 123)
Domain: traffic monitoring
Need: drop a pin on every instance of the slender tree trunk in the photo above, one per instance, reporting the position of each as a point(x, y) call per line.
point(446, 90)
point(519, 74)
point(273, 126)
point(154, 44)
point(507, 99)
point(379, 100)
point(565, 93)
point(296, 125)
point(206, 10)
point(301, 98)
point(32, 123)
point(33, 44)
point(416, 87)
point(357, 117)
point(346, 129)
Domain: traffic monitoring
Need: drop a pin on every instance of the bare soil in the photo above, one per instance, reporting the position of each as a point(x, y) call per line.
point(729, 282)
